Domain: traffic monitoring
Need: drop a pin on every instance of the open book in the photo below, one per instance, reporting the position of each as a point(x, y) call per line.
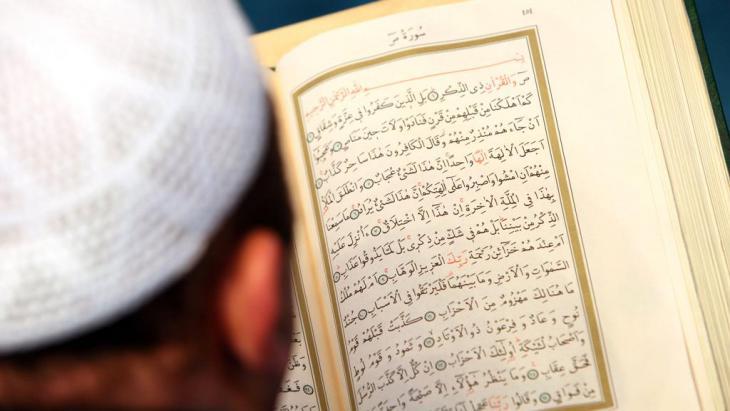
point(502, 206)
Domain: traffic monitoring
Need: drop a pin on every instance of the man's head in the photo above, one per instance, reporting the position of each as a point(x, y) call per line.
point(129, 132)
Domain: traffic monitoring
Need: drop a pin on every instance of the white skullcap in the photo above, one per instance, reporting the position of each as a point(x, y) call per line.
point(128, 129)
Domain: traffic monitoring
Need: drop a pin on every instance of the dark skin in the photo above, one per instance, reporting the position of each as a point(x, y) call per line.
point(215, 340)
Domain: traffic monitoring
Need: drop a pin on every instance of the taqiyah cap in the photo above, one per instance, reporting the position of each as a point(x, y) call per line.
point(128, 129)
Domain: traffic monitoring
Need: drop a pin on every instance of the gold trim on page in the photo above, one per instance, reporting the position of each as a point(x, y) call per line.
point(307, 330)
point(561, 176)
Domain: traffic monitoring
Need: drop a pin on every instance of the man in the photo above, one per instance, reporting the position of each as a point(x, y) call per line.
point(143, 222)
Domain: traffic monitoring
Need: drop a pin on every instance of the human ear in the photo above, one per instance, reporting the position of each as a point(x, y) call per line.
point(252, 302)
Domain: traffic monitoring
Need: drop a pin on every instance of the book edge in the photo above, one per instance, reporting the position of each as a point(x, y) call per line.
point(712, 89)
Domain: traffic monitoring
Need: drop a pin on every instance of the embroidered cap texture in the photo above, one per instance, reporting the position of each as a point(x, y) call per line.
point(128, 130)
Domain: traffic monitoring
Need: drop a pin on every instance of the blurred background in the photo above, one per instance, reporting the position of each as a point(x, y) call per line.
point(714, 19)
point(270, 14)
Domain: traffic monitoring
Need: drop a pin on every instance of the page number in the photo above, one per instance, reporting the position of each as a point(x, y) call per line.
point(526, 12)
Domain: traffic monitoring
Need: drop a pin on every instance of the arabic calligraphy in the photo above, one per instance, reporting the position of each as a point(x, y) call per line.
point(450, 255)
point(297, 391)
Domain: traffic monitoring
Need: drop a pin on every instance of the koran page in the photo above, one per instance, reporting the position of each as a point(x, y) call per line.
point(302, 388)
point(480, 226)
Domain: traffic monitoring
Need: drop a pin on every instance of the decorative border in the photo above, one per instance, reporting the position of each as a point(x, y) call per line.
point(306, 326)
point(531, 35)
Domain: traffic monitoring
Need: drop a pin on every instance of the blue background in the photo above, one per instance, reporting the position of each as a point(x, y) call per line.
point(714, 19)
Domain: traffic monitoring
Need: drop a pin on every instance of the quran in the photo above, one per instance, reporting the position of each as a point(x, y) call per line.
point(503, 206)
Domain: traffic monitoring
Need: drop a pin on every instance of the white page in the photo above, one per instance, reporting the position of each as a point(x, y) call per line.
point(300, 387)
point(602, 152)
